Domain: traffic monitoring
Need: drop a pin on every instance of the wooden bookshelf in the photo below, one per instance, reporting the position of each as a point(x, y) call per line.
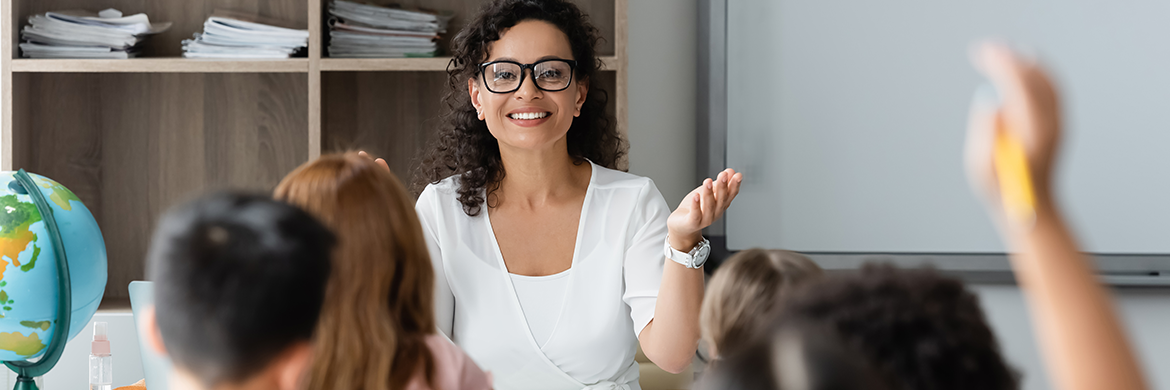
point(133, 137)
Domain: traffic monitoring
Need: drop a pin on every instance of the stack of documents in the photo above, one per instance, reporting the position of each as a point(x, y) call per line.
point(228, 37)
point(370, 31)
point(82, 34)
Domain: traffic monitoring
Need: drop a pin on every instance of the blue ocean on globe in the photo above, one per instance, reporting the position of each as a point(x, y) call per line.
point(28, 269)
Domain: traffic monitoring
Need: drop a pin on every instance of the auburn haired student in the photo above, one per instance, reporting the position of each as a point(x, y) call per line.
point(377, 326)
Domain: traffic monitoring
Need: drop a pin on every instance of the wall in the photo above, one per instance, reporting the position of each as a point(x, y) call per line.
point(1145, 312)
point(662, 74)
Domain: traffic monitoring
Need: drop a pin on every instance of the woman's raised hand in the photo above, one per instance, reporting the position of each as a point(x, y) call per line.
point(700, 208)
point(379, 161)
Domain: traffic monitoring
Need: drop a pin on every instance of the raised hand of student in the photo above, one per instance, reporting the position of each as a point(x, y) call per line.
point(700, 208)
point(1082, 341)
point(1026, 116)
point(378, 160)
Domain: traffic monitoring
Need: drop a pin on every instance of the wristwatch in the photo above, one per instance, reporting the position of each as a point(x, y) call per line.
point(693, 259)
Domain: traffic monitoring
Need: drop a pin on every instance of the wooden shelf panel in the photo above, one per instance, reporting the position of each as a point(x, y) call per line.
point(384, 64)
point(131, 145)
point(408, 64)
point(292, 65)
point(160, 65)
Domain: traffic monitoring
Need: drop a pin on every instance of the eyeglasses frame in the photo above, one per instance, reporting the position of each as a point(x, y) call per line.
point(531, 68)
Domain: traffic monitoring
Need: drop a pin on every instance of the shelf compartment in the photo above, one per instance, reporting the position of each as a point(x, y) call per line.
point(132, 145)
point(602, 14)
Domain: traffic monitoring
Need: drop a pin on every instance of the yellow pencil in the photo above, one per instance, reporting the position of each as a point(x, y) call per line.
point(1015, 179)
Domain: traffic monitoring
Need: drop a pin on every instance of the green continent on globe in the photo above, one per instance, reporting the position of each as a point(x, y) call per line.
point(15, 219)
point(61, 195)
point(42, 325)
point(33, 261)
point(21, 344)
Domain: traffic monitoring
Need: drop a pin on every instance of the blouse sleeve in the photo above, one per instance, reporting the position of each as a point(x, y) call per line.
point(644, 259)
point(428, 215)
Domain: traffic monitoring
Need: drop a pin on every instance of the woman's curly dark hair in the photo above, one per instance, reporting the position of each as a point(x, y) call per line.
point(919, 330)
point(464, 146)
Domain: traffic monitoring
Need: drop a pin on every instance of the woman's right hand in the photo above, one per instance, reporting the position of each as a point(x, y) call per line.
point(1029, 110)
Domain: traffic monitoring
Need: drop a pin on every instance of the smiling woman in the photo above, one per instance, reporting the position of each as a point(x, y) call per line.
point(550, 266)
point(465, 146)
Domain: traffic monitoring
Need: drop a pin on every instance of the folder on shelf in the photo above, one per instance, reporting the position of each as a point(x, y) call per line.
point(83, 34)
point(369, 31)
point(227, 36)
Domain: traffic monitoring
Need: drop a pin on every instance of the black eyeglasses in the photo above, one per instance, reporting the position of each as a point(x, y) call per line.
point(506, 76)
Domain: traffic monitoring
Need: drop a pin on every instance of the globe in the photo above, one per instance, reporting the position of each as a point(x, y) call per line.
point(29, 290)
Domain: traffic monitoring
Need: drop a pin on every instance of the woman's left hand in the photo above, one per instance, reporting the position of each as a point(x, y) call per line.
point(700, 208)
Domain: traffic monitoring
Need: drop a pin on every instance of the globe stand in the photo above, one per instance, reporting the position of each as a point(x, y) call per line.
point(25, 370)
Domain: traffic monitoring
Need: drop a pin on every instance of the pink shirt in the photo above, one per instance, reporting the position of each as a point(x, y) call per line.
point(454, 370)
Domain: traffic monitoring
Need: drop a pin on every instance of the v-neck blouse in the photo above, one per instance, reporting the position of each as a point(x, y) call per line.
point(610, 290)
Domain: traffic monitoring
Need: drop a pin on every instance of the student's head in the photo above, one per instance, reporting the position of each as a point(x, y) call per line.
point(378, 307)
point(484, 101)
point(793, 355)
point(919, 330)
point(238, 285)
point(744, 292)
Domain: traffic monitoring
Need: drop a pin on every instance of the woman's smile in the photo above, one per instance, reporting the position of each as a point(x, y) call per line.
point(528, 117)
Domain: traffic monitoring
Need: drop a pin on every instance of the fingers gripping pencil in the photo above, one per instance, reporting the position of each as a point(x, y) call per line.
point(1015, 180)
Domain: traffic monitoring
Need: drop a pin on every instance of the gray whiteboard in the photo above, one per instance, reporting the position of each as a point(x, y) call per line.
point(848, 119)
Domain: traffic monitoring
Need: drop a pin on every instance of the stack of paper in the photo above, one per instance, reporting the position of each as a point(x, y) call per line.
point(230, 37)
point(369, 31)
point(81, 34)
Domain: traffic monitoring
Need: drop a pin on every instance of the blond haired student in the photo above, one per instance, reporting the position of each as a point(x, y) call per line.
point(377, 325)
point(745, 291)
point(1083, 344)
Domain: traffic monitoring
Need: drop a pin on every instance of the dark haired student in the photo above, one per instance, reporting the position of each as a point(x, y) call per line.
point(551, 264)
point(239, 282)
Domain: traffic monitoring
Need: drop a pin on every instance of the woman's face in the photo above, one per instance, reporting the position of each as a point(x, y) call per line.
point(529, 118)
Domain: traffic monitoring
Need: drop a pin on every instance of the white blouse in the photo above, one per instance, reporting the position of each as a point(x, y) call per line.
point(540, 300)
point(610, 290)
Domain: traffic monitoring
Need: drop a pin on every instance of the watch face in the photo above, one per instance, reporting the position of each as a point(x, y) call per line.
point(701, 255)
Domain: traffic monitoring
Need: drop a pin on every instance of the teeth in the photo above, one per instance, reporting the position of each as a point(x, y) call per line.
point(528, 115)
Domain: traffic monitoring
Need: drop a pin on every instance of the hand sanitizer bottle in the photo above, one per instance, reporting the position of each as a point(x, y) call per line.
point(101, 364)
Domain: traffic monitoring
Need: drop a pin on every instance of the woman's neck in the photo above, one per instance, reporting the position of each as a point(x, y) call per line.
point(535, 178)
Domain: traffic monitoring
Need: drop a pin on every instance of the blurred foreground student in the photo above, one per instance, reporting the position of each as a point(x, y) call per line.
point(797, 355)
point(238, 284)
point(744, 293)
point(377, 329)
point(898, 329)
